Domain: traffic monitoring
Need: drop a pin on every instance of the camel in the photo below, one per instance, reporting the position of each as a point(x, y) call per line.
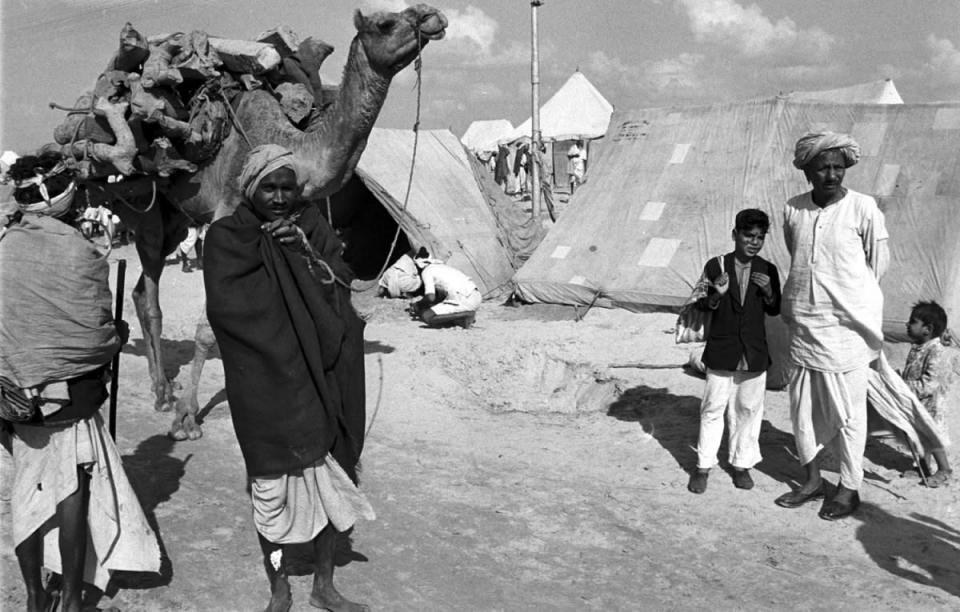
point(385, 43)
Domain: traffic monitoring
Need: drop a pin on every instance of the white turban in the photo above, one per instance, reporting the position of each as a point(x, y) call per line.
point(261, 161)
point(815, 143)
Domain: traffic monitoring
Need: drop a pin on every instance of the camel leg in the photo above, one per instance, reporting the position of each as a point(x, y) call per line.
point(146, 300)
point(185, 425)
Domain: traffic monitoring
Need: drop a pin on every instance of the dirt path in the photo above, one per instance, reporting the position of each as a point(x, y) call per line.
point(512, 469)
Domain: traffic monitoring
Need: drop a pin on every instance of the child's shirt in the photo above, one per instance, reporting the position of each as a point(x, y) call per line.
point(926, 372)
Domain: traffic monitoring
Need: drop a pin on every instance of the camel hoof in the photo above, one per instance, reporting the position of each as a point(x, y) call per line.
point(195, 434)
point(177, 434)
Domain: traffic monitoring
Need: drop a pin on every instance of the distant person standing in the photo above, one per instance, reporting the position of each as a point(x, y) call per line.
point(576, 164)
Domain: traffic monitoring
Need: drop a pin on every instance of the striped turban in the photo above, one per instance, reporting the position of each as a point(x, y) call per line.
point(815, 143)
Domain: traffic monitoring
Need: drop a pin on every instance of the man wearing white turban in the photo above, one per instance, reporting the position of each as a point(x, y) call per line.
point(833, 305)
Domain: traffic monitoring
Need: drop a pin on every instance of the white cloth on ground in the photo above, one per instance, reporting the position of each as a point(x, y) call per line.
point(831, 408)
point(294, 508)
point(45, 464)
point(738, 395)
point(895, 402)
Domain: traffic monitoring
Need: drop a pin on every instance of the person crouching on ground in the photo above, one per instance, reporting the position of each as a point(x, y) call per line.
point(449, 296)
point(736, 356)
point(833, 305)
point(926, 372)
point(278, 301)
point(73, 509)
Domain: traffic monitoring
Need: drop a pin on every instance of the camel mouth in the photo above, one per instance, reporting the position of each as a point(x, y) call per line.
point(433, 27)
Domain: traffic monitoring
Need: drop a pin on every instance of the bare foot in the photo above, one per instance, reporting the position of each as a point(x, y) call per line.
point(940, 479)
point(280, 597)
point(330, 599)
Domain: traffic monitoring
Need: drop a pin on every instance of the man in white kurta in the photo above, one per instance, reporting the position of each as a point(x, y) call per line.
point(834, 307)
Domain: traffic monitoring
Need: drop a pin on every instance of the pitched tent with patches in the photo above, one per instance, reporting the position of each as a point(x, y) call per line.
point(874, 92)
point(482, 136)
point(446, 211)
point(668, 182)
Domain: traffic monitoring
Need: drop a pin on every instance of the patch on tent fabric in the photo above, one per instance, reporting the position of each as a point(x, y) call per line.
point(560, 252)
point(647, 211)
point(659, 252)
point(949, 182)
point(887, 179)
point(869, 135)
point(679, 153)
point(578, 280)
point(947, 119)
point(631, 130)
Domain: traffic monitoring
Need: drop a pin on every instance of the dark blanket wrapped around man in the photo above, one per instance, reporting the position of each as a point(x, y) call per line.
point(291, 343)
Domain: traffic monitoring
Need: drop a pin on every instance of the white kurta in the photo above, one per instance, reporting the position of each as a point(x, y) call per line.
point(832, 299)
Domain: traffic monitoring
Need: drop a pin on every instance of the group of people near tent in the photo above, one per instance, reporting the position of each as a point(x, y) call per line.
point(833, 305)
point(278, 301)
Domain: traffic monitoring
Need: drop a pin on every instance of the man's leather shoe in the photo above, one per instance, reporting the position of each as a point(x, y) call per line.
point(698, 481)
point(795, 499)
point(742, 479)
point(833, 510)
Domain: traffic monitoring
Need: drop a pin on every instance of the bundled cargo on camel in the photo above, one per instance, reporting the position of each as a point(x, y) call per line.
point(162, 104)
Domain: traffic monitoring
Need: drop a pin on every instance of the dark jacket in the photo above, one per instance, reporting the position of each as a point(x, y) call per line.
point(738, 329)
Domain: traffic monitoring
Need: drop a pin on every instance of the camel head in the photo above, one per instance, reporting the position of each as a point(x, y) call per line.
point(392, 40)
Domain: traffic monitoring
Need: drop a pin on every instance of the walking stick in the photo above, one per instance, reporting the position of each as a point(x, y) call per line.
point(115, 366)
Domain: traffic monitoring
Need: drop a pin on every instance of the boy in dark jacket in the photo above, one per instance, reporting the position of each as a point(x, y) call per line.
point(736, 356)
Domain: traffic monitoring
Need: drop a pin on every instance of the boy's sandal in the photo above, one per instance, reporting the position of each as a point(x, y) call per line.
point(940, 479)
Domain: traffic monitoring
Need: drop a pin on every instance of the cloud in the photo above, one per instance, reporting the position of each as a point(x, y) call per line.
point(676, 73)
point(944, 62)
point(471, 27)
point(754, 35)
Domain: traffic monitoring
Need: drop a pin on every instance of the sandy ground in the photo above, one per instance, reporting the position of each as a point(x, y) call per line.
point(512, 468)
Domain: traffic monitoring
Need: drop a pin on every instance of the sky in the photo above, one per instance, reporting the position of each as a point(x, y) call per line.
point(637, 53)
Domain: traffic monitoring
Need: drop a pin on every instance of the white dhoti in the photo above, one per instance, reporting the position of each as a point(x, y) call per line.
point(831, 407)
point(458, 303)
point(45, 463)
point(294, 508)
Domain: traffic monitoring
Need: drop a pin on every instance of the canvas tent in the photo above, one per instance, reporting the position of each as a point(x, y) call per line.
point(875, 92)
point(481, 137)
point(445, 212)
point(578, 111)
point(668, 182)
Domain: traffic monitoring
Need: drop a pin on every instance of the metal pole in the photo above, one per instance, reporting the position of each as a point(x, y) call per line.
point(535, 114)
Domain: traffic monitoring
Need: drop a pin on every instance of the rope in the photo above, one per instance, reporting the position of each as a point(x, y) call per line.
point(417, 66)
point(234, 120)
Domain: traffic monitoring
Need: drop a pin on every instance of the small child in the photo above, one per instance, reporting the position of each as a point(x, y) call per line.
point(742, 293)
point(925, 373)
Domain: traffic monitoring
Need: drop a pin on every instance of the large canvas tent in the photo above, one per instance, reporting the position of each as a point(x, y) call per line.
point(668, 182)
point(445, 212)
point(874, 92)
point(482, 136)
point(578, 111)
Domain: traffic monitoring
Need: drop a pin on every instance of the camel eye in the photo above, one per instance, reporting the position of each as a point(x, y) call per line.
point(387, 25)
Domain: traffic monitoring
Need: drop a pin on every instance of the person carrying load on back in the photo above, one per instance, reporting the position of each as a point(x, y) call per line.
point(73, 509)
point(449, 296)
